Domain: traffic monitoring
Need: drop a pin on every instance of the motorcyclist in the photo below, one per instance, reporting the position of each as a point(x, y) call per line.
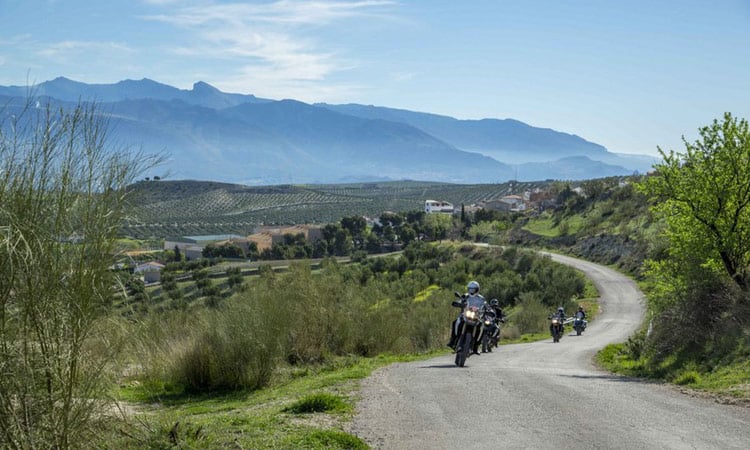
point(471, 298)
point(496, 312)
point(560, 314)
point(579, 324)
point(495, 305)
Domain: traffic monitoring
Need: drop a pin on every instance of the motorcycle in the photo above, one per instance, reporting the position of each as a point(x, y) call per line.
point(556, 328)
point(579, 324)
point(490, 331)
point(470, 324)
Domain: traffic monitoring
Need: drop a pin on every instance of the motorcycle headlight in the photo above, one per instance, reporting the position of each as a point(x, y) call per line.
point(554, 321)
point(471, 315)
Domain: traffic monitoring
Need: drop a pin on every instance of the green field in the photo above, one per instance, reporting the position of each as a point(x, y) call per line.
point(183, 208)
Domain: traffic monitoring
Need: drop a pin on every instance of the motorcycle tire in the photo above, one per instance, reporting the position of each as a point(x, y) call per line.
point(463, 350)
point(578, 331)
point(485, 343)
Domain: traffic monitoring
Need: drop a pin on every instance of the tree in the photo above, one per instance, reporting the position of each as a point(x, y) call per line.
point(704, 196)
point(63, 193)
point(356, 225)
point(594, 189)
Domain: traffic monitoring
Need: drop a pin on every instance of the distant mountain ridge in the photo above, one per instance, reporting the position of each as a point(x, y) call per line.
point(61, 88)
point(238, 138)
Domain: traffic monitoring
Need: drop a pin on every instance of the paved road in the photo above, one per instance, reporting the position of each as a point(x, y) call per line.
point(544, 395)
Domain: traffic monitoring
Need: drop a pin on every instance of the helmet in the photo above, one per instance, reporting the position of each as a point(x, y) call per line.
point(473, 287)
point(560, 309)
point(580, 308)
point(494, 302)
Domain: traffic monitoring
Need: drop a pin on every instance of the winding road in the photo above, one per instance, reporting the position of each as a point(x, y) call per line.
point(544, 395)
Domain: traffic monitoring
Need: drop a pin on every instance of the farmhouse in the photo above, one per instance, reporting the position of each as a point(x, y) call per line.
point(151, 271)
point(435, 206)
point(506, 203)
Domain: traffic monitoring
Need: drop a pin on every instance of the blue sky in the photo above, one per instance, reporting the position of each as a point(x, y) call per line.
point(630, 75)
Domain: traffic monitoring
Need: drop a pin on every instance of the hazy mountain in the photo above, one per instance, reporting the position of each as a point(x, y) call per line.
point(62, 88)
point(508, 140)
point(212, 135)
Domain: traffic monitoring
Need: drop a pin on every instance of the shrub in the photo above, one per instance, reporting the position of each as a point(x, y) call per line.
point(688, 377)
point(315, 403)
point(62, 199)
point(531, 316)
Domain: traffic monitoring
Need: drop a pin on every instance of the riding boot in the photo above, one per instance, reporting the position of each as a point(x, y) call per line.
point(454, 338)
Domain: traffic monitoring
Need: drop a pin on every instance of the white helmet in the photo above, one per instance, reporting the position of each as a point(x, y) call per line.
point(473, 287)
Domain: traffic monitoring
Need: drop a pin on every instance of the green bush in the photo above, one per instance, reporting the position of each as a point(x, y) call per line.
point(688, 377)
point(315, 403)
point(531, 316)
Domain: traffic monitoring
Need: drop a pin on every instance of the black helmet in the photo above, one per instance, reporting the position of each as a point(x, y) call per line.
point(494, 302)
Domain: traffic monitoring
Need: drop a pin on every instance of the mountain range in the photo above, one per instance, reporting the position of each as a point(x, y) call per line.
point(238, 138)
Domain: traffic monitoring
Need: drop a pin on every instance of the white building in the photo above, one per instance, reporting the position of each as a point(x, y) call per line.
point(434, 206)
point(151, 271)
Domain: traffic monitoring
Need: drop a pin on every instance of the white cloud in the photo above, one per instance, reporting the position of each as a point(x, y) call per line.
point(267, 84)
point(265, 42)
point(283, 12)
point(63, 51)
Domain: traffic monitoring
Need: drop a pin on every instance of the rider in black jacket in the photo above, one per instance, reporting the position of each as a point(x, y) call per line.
point(495, 305)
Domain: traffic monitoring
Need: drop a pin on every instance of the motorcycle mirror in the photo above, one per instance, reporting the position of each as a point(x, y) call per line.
point(457, 294)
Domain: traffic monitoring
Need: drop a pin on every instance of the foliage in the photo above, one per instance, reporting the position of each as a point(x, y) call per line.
point(321, 402)
point(62, 200)
point(256, 420)
point(696, 278)
point(704, 196)
point(382, 304)
point(532, 314)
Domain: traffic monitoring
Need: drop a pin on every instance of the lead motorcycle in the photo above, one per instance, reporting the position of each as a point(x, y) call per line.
point(471, 323)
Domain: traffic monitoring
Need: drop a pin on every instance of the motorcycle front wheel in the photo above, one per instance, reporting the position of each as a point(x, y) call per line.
point(464, 347)
point(485, 343)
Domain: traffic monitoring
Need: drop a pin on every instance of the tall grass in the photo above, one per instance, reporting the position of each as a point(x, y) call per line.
point(62, 198)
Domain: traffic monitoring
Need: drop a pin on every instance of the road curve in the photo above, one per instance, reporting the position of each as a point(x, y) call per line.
point(543, 395)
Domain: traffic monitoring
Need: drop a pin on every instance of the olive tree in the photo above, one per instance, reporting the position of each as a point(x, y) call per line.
point(703, 194)
point(62, 199)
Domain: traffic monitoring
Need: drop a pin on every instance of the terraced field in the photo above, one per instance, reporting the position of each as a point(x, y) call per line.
point(169, 208)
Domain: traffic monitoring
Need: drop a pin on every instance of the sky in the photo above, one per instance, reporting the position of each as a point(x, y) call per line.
point(630, 75)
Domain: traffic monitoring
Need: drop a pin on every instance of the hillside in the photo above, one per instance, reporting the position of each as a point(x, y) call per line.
point(166, 208)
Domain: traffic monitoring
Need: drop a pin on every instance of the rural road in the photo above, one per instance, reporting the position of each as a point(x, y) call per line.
point(544, 395)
